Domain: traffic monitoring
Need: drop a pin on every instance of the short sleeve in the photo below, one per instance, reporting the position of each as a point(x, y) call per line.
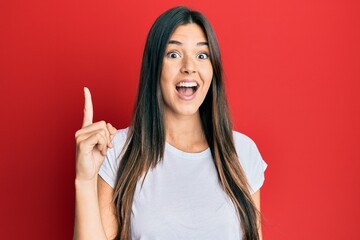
point(108, 169)
point(251, 161)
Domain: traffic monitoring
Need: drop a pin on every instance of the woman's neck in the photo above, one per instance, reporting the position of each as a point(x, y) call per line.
point(185, 133)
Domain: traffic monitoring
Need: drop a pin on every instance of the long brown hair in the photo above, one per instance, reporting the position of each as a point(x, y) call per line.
point(145, 143)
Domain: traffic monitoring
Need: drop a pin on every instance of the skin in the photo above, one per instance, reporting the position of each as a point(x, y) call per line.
point(185, 58)
point(92, 142)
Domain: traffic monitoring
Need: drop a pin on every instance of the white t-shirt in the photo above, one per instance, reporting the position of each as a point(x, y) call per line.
point(181, 198)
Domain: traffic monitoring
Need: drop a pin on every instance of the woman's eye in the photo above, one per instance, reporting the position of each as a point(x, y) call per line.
point(173, 55)
point(203, 56)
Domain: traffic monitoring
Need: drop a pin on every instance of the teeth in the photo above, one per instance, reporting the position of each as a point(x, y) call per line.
point(187, 84)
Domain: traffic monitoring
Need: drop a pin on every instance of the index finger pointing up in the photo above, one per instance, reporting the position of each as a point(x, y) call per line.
point(88, 108)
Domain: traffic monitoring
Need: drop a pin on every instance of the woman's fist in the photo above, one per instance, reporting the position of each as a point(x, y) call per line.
point(92, 142)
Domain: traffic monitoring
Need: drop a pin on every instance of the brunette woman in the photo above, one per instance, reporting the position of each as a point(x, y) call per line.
point(179, 171)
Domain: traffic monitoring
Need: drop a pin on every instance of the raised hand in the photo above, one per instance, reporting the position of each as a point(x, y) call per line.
point(92, 142)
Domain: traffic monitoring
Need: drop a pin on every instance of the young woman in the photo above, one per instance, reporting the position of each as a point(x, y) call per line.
point(179, 171)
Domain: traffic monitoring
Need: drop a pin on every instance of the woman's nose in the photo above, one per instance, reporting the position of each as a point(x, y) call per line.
point(188, 65)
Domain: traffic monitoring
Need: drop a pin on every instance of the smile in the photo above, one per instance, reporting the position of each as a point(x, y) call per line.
point(186, 89)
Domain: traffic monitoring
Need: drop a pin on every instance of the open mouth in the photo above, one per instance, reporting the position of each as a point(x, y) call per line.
point(187, 89)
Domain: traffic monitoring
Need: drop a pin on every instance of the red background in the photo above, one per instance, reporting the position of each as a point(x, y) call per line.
point(293, 83)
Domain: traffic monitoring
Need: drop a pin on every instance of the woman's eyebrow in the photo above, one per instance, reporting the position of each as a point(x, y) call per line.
point(180, 43)
point(202, 44)
point(174, 42)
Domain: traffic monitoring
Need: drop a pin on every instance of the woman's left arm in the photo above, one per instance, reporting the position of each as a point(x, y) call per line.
point(256, 200)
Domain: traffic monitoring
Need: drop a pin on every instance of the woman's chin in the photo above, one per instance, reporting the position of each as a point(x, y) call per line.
point(185, 111)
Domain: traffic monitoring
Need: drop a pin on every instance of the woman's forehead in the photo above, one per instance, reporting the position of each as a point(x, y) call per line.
point(188, 33)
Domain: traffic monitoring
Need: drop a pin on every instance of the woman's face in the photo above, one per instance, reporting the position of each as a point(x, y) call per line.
point(186, 72)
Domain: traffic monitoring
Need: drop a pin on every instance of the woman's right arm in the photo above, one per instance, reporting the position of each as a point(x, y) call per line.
point(93, 206)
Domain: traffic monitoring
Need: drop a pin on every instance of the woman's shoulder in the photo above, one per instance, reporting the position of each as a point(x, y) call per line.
point(245, 146)
point(110, 164)
point(120, 139)
point(250, 159)
point(121, 134)
point(242, 140)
